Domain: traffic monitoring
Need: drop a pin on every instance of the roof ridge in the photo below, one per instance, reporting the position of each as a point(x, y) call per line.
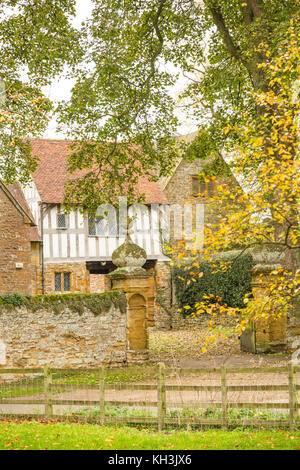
point(45, 139)
point(52, 173)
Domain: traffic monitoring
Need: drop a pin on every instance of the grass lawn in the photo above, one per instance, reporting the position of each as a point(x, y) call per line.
point(62, 436)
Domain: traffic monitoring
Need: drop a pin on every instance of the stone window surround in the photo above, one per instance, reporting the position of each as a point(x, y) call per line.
point(201, 194)
point(62, 281)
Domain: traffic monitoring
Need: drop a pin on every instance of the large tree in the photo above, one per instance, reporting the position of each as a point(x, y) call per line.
point(241, 60)
point(36, 41)
point(121, 102)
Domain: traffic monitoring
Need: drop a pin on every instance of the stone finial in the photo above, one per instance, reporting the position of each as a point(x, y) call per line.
point(129, 256)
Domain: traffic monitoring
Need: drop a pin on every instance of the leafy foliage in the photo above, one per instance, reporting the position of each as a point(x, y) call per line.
point(135, 52)
point(36, 41)
point(230, 284)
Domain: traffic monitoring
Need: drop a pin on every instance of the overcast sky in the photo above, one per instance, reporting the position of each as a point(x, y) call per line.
point(61, 89)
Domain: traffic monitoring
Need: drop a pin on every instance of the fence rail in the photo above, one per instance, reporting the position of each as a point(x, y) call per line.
point(49, 388)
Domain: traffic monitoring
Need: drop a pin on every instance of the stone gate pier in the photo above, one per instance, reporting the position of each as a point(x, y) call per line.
point(133, 280)
point(267, 334)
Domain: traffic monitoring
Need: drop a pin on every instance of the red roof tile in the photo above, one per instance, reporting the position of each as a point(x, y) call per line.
point(51, 174)
point(17, 192)
point(34, 235)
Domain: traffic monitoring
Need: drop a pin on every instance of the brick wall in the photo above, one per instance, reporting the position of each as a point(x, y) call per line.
point(14, 248)
point(99, 283)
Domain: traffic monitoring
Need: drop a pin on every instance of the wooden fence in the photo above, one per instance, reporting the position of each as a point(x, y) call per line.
point(161, 404)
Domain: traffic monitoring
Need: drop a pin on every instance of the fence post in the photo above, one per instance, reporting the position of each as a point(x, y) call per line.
point(102, 395)
point(47, 390)
point(224, 397)
point(161, 396)
point(292, 395)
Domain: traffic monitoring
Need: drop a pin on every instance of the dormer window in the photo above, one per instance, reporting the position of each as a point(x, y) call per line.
point(61, 221)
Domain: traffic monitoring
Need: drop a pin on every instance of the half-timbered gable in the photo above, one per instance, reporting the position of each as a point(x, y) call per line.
point(76, 250)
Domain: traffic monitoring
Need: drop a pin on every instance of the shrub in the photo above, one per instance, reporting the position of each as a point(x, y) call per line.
point(96, 303)
point(230, 285)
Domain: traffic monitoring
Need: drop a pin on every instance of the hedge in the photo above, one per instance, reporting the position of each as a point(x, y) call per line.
point(230, 285)
point(96, 303)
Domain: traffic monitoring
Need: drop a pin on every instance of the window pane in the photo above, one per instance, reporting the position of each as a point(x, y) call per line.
point(97, 226)
point(112, 225)
point(67, 282)
point(61, 221)
point(210, 188)
point(57, 282)
point(101, 226)
point(203, 188)
point(196, 186)
point(92, 226)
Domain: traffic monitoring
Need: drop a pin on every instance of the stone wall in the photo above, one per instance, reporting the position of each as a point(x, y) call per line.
point(14, 248)
point(179, 190)
point(36, 278)
point(81, 279)
point(166, 314)
point(60, 335)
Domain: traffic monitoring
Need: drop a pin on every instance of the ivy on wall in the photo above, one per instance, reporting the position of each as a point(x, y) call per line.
point(96, 303)
point(229, 280)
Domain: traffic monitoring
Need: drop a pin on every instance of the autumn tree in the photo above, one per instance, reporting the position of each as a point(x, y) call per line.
point(262, 212)
point(122, 89)
point(241, 59)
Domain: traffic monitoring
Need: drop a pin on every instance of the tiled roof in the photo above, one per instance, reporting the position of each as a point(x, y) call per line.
point(34, 235)
point(16, 191)
point(51, 173)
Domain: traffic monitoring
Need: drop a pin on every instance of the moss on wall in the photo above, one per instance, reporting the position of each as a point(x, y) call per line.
point(96, 303)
